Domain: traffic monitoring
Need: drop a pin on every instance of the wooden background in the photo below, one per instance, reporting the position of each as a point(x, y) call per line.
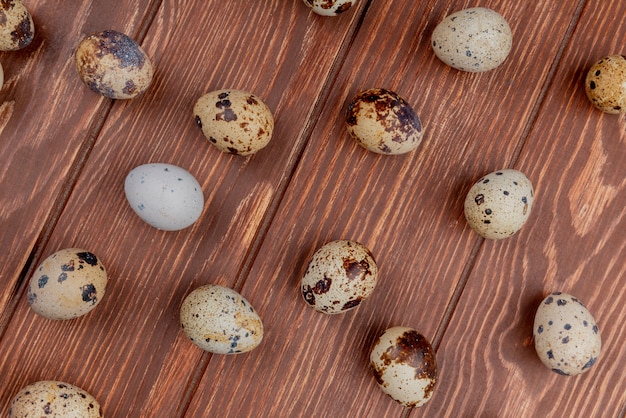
point(65, 152)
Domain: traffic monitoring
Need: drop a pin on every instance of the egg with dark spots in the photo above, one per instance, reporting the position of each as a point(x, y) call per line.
point(474, 40)
point(219, 320)
point(234, 121)
point(68, 284)
point(48, 398)
point(17, 29)
point(383, 122)
point(499, 204)
point(113, 65)
point(329, 7)
point(605, 84)
point(404, 365)
point(567, 338)
point(339, 276)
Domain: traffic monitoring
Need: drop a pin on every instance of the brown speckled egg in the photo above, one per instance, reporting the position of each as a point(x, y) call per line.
point(404, 364)
point(219, 320)
point(67, 284)
point(49, 398)
point(606, 84)
point(329, 7)
point(235, 121)
point(474, 40)
point(113, 65)
point(499, 204)
point(383, 122)
point(17, 29)
point(567, 339)
point(339, 276)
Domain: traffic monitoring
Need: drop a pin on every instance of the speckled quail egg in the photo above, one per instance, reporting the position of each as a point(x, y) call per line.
point(165, 196)
point(17, 29)
point(219, 320)
point(235, 121)
point(383, 122)
point(605, 84)
point(474, 40)
point(567, 339)
point(498, 205)
point(67, 284)
point(339, 276)
point(329, 7)
point(49, 398)
point(404, 364)
point(113, 65)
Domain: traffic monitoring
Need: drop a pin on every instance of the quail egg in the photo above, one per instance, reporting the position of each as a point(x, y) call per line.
point(48, 398)
point(498, 205)
point(67, 284)
point(113, 65)
point(605, 84)
point(474, 40)
point(339, 276)
point(383, 122)
point(329, 7)
point(404, 364)
point(235, 121)
point(219, 320)
point(567, 339)
point(17, 29)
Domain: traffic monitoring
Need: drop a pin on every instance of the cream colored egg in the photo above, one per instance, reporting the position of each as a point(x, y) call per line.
point(605, 84)
point(235, 121)
point(49, 398)
point(329, 7)
point(17, 29)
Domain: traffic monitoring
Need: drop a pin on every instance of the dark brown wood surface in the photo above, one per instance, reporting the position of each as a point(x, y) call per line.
point(66, 151)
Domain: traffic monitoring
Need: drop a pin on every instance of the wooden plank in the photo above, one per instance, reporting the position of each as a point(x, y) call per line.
point(574, 243)
point(406, 209)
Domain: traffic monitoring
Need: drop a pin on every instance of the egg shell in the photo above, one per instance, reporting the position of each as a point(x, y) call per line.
point(474, 40)
point(383, 122)
point(17, 29)
point(605, 84)
point(113, 65)
point(567, 339)
point(235, 121)
point(219, 320)
point(339, 276)
point(498, 205)
point(68, 284)
point(329, 7)
point(165, 196)
point(404, 365)
point(54, 399)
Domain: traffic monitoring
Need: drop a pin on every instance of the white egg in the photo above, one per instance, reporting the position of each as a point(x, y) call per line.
point(164, 196)
point(329, 7)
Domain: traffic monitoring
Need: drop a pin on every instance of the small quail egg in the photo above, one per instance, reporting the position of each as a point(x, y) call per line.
point(567, 339)
point(235, 121)
point(339, 276)
point(383, 122)
point(404, 364)
point(474, 40)
point(499, 204)
point(113, 65)
point(329, 7)
point(54, 399)
point(67, 284)
point(606, 84)
point(165, 196)
point(219, 320)
point(17, 29)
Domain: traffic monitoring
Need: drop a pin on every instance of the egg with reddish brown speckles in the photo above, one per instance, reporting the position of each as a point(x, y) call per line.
point(339, 276)
point(605, 84)
point(54, 399)
point(67, 284)
point(383, 122)
point(566, 336)
point(329, 7)
point(235, 121)
point(498, 205)
point(113, 65)
point(404, 364)
point(17, 29)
